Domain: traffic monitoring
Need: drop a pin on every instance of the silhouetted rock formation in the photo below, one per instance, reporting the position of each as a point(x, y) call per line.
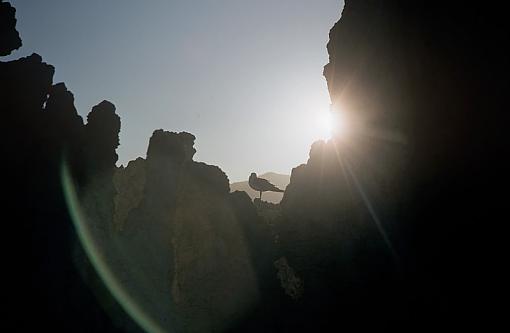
point(330, 243)
point(418, 84)
point(100, 141)
point(9, 36)
point(41, 131)
point(182, 233)
point(102, 138)
point(167, 227)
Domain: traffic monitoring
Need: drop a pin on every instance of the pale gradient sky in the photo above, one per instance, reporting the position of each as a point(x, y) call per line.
point(245, 77)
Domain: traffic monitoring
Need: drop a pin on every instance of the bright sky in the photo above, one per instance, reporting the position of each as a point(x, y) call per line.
point(244, 76)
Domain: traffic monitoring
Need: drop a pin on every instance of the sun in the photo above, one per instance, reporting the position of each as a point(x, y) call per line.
point(331, 124)
point(325, 123)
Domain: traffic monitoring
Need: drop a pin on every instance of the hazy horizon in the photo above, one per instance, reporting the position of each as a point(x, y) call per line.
point(178, 66)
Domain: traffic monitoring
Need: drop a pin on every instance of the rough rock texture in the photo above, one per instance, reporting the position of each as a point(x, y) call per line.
point(292, 284)
point(129, 183)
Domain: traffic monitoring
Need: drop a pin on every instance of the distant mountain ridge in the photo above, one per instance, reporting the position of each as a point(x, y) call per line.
point(277, 179)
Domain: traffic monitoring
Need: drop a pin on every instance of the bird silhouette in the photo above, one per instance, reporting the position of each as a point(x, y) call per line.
point(261, 185)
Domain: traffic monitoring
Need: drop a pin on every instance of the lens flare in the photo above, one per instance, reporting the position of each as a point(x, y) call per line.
point(97, 259)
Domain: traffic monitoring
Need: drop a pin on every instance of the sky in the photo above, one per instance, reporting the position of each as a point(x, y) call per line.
point(243, 76)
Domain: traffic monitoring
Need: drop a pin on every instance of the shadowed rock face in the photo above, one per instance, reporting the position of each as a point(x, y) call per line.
point(129, 183)
point(334, 248)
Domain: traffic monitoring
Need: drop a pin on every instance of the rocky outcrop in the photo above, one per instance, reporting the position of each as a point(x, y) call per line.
point(165, 229)
point(9, 36)
point(333, 249)
point(181, 232)
point(40, 132)
point(389, 198)
point(129, 184)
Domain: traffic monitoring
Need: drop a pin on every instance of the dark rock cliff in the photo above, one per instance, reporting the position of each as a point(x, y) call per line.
point(420, 86)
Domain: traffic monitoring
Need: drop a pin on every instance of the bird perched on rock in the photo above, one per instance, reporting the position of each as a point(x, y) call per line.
point(261, 185)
